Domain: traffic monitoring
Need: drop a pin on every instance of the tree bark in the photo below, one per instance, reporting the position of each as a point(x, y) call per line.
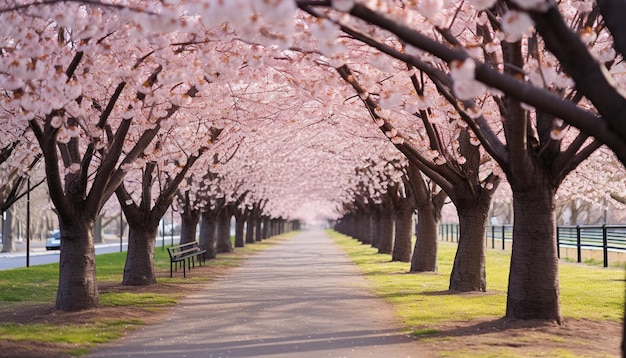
point(8, 243)
point(250, 226)
point(266, 227)
point(376, 225)
point(385, 246)
point(424, 257)
point(365, 222)
point(240, 222)
point(189, 223)
point(208, 226)
point(429, 203)
point(223, 231)
point(139, 267)
point(402, 242)
point(98, 237)
point(533, 291)
point(258, 231)
point(77, 286)
point(468, 271)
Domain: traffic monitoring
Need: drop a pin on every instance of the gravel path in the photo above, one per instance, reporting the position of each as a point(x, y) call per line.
point(299, 298)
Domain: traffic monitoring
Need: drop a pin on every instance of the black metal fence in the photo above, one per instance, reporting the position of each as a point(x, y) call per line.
point(596, 238)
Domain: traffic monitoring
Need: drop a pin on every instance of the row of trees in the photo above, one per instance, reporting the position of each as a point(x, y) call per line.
point(196, 117)
point(258, 96)
point(521, 123)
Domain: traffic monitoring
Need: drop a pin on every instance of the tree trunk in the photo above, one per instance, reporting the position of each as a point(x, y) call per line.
point(223, 231)
point(266, 227)
point(468, 271)
point(533, 291)
point(376, 226)
point(139, 267)
point(208, 226)
point(240, 222)
point(189, 223)
point(424, 257)
point(98, 236)
point(258, 231)
point(273, 227)
point(250, 225)
point(402, 242)
point(77, 266)
point(8, 244)
point(385, 245)
point(363, 222)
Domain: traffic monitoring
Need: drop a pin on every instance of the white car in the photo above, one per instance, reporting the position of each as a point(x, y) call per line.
point(53, 242)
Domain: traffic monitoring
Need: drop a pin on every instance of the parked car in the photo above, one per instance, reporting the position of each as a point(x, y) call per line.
point(53, 241)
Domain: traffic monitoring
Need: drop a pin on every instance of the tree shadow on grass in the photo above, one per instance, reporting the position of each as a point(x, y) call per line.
point(461, 293)
point(493, 326)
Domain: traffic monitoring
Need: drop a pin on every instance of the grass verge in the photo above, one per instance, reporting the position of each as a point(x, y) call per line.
point(30, 326)
point(427, 309)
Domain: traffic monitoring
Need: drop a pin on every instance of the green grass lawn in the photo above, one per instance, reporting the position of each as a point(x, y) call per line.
point(421, 300)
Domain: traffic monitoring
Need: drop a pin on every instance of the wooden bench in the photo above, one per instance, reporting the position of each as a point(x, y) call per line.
point(185, 255)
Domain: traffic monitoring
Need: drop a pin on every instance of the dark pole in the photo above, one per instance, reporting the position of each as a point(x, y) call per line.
point(172, 231)
point(121, 227)
point(28, 222)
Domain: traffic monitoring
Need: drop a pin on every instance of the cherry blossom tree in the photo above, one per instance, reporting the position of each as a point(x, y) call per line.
point(532, 159)
point(80, 94)
point(95, 104)
point(468, 272)
point(145, 211)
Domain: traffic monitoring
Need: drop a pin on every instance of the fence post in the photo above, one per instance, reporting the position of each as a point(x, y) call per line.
point(558, 243)
point(578, 248)
point(605, 246)
point(503, 232)
point(493, 236)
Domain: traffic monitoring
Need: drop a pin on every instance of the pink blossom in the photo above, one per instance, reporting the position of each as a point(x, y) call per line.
point(538, 5)
point(463, 70)
point(10, 83)
point(56, 122)
point(482, 4)
point(515, 24)
point(343, 5)
point(430, 8)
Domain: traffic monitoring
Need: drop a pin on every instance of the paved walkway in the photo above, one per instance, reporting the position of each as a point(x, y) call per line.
point(300, 298)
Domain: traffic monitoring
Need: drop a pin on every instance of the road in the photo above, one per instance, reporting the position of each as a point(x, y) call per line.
point(302, 298)
point(39, 255)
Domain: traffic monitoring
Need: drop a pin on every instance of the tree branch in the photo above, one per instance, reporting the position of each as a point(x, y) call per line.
point(541, 99)
point(614, 12)
point(590, 76)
